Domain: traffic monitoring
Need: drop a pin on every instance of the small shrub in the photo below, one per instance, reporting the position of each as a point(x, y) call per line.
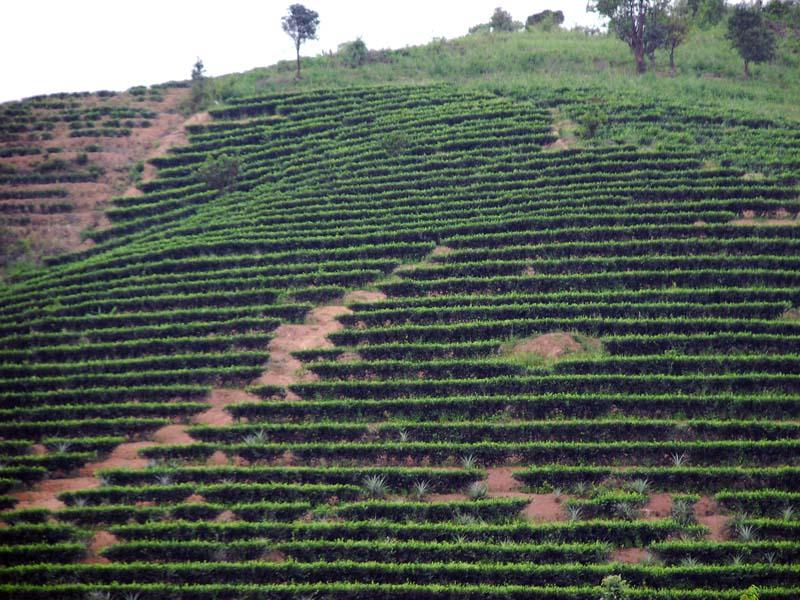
point(353, 54)
point(219, 173)
point(614, 587)
point(477, 490)
point(375, 486)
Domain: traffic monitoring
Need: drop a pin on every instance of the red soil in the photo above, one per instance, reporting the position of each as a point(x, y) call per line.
point(100, 540)
point(630, 555)
point(658, 507)
point(44, 494)
point(363, 296)
point(173, 435)
point(219, 399)
point(549, 345)
point(283, 369)
point(61, 232)
point(707, 513)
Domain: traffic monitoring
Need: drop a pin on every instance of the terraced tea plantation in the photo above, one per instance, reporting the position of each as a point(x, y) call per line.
point(422, 350)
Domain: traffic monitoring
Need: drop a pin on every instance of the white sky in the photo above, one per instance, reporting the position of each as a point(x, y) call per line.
point(50, 46)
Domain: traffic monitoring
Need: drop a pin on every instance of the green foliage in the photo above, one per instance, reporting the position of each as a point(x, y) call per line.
point(752, 593)
point(353, 54)
point(614, 587)
point(638, 23)
point(750, 36)
point(200, 86)
point(547, 20)
point(219, 172)
point(503, 21)
point(301, 25)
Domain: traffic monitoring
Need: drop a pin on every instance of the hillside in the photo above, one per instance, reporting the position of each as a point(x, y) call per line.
point(64, 156)
point(447, 336)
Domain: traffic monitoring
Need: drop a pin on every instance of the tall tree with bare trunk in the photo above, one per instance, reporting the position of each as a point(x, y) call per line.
point(301, 25)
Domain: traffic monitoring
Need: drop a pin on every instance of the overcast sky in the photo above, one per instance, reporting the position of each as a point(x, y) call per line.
point(50, 46)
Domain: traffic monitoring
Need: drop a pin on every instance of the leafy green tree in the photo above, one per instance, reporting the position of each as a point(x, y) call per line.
point(199, 85)
point(706, 13)
point(638, 23)
point(678, 26)
point(546, 20)
point(749, 34)
point(503, 21)
point(353, 54)
point(301, 25)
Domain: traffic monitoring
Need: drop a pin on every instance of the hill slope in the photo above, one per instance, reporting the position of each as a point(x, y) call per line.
point(431, 345)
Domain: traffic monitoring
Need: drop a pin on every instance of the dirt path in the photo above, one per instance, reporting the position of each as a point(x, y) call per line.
point(220, 399)
point(283, 369)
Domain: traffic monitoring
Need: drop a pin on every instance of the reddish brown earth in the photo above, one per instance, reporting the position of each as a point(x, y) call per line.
point(499, 480)
point(541, 508)
point(125, 456)
point(441, 251)
point(172, 435)
point(61, 232)
point(549, 345)
point(545, 508)
point(778, 217)
point(100, 540)
point(363, 296)
point(218, 458)
point(707, 513)
point(283, 369)
point(220, 399)
point(44, 494)
point(630, 555)
point(658, 507)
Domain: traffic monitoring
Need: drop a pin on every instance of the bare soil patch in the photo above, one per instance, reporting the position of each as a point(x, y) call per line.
point(707, 512)
point(220, 399)
point(59, 232)
point(441, 251)
point(100, 540)
point(630, 556)
point(544, 508)
point(500, 480)
point(658, 507)
point(551, 346)
point(777, 217)
point(44, 494)
point(172, 435)
point(218, 458)
point(283, 369)
point(124, 456)
point(363, 296)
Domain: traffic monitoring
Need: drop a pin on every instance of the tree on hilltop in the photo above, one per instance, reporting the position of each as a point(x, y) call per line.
point(678, 26)
point(750, 35)
point(638, 23)
point(301, 25)
point(503, 21)
point(199, 91)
